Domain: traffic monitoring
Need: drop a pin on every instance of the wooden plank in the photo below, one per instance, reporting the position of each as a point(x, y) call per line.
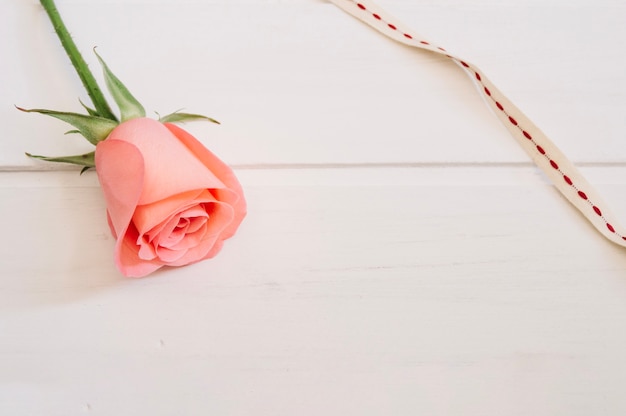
point(347, 291)
point(301, 82)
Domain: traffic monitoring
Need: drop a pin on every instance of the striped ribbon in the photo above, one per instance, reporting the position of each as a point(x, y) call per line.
point(546, 155)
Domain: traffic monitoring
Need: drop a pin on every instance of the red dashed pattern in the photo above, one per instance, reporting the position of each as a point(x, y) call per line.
point(511, 119)
point(551, 161)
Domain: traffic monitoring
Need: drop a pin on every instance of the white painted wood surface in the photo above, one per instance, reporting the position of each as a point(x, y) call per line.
point(393, 261)
point(298, 82)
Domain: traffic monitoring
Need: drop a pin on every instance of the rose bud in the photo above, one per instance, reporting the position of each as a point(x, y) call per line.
point(170, 201)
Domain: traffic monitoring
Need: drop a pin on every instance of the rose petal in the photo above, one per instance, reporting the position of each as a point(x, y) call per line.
point(171, 225)
point(127, 256)
point(193, 212)
point(214, 249)
point(159, 237)
point(170, 169)
point(146, 249)
point(167, 255)
point(111, 227)
point(120, 170)
point(199, 252)
point(221, 215)
point(175, 237)
point(148, 216)
point(232, 192)
point(190, 239)
point(195, 224)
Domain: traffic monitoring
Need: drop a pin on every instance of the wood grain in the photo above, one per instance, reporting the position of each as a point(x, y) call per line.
point(365, 291)
point(301, 82)
point(401, 255)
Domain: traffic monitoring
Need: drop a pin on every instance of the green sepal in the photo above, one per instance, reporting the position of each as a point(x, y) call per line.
point(94, 129)
point(89, 110)
point(85, 169)
point(178, 117)
point(87, 160)
point(72, 132)
point(129, 106)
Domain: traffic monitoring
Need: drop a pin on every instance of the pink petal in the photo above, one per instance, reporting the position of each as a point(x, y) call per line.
point(233, 193)
point(174, 238)
point(195, 224)
point(170, 168)
point(198, 252)
point(148, 216)
point(219, 218)
point(120, 171)
point(221, 215)
point(190, 240)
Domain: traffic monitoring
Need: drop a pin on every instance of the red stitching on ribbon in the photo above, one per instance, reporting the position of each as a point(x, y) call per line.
point(542, 151)
point(391, 25)
point(511, 119)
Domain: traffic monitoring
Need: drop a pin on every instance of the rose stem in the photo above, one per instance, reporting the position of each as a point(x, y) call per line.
point(87, 78)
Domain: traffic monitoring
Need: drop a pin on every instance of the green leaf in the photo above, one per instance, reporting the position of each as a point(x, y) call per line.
point(177, 117)
point(94, 129)
point(129, 106)
point(87, 160)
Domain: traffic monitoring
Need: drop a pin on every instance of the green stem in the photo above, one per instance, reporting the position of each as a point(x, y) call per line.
point(87, 78)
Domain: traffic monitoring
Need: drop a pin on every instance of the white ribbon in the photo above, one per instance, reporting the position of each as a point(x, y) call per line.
point(561, 171)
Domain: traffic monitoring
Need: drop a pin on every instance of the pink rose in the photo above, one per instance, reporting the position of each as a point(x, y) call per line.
point(170, 201)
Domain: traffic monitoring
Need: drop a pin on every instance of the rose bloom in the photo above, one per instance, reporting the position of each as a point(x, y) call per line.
point(170, 201)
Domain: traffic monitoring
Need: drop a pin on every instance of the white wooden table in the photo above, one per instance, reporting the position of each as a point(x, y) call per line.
point(392, 262)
